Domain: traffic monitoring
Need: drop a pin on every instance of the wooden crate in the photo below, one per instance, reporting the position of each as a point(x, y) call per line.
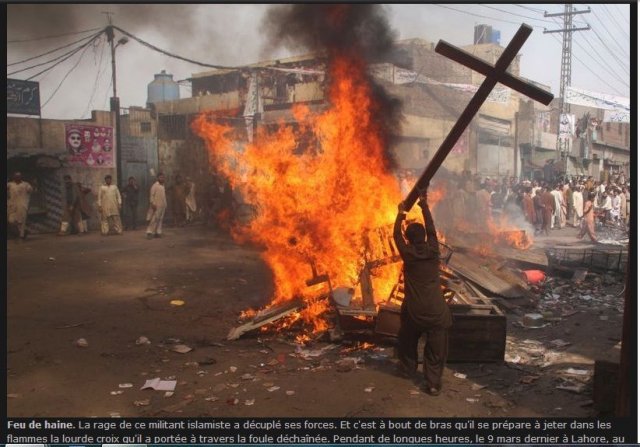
point(478, 333)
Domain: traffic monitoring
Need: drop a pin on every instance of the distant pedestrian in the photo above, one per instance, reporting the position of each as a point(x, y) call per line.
point(191, 206)
point(624, 205)
point(214, 200)
point(578, 206)
point(18, 196)
point(71, 217)
point(548, 208)
point(588, 220)
point(157, 207)
point(179, 194)
point(560, 210)
point(130, 193)
point(109, 204)
point(527, 206)
point(84, 207)
point(616, 205)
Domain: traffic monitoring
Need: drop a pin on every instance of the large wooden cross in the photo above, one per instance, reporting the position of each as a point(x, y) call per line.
point(493, 76)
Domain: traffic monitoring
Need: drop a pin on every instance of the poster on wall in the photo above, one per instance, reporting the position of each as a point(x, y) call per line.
point(567, 126)
point(89, 146)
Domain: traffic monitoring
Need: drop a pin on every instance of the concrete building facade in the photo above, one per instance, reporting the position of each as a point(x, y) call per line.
point(38, 149)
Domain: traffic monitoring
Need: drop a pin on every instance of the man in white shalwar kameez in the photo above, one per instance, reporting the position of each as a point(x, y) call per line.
point(109, 204)
point(18, 195)
point(157, 207)
point(560, 216)
point(578, 205)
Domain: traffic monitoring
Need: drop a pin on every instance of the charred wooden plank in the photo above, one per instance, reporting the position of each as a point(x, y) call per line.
point(265, 317)
point(473, 271)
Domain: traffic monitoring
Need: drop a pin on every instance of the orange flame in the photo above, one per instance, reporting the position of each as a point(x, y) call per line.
point(313, 205)
point(504, 231)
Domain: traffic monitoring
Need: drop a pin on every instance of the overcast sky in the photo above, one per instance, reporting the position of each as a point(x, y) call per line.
point(232, 35)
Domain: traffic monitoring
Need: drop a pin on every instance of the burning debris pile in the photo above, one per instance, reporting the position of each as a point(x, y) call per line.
point(325, 209)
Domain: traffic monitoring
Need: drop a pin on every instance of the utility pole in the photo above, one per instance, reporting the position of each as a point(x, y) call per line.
point(562, 145)
point(110, 37)
point(115, 101)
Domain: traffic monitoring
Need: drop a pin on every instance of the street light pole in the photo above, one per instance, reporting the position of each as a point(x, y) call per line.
point(110, 36)
point(115, 101)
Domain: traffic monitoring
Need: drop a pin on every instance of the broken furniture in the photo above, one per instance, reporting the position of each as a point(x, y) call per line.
point(478, 334)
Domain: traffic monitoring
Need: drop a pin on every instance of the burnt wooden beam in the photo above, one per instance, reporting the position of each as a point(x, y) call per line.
point(494, 75)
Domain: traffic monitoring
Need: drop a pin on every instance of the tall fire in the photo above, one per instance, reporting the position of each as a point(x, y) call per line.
point(314, 207)
point(319, 199)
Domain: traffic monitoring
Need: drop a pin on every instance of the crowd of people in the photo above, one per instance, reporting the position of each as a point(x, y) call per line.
point(113, 205)
point(578, 201)
point(567, 201)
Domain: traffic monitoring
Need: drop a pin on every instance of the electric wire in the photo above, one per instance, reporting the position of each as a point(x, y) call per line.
point(624, 53)
point(48, 52)
point(587, 67)
point(623, 65)
point(65, 77)
point(484, 17)
point(538, 10)
point(607, 47)
point(53, 37)
point(621, 14)
point(61, 61)
point(516, 14)
point(167, 53)
point(602, 65)
point(60, 58)
point(605, 65)
point(99, 73)
point(106, 95)
point(613, 20)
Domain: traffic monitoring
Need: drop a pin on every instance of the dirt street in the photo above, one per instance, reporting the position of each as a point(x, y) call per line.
point(113, 290)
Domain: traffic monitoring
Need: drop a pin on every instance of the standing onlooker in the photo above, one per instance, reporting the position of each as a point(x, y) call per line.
point(606, 204)
point(578, 206)
point(18, 195)
point(214, 200)
point(130, 193)
point(84, 208)
point(615, 205)
point(191, 206)
point(157, 207)
point(178, 201)
point(109, 204)
point(560, 209)
point(527, 206)
point(71, 217)
point(483, 204)
point(548, 208)
point(588, 221)
point(568, 200)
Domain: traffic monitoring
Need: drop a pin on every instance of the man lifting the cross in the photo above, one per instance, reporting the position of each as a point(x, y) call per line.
point(424, 309)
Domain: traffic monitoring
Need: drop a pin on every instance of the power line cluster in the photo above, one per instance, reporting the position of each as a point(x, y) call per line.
point(594, 57)
point(617, 66)
point(33, 39)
